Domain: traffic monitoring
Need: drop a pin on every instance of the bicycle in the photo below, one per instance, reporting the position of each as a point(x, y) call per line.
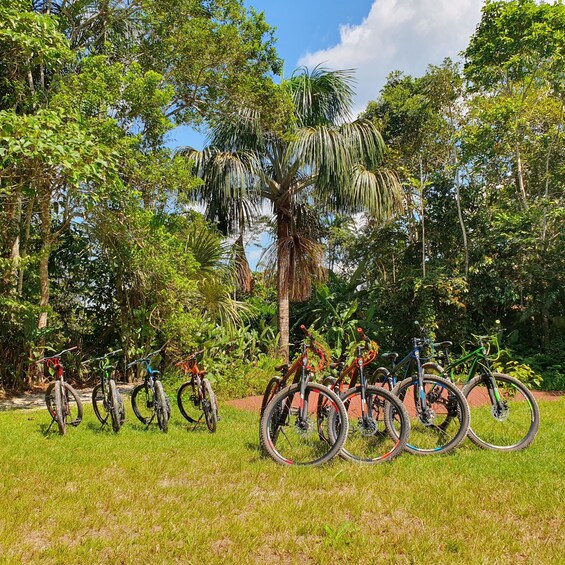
point(369, 439)
point(195, 397)
point(62, 400)
point(439, 414)
point(504, 413)
point(105, 395)
point(148, 399)
point(290, 414)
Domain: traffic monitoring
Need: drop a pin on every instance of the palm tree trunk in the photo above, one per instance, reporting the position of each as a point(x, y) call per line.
point(460, 211)
point(283, 312)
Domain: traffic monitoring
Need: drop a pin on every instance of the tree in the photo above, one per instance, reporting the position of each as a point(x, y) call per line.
point(317, 156)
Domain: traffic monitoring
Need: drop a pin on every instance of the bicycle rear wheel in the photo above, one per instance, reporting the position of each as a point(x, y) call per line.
point(143, 403)
point(270, 391)
point(369, 439)
point(59, 408)
point(290, 435)
point(511, 425)
point(73, 406)
point(445, 423)
point(162, 407)
point(189, 402)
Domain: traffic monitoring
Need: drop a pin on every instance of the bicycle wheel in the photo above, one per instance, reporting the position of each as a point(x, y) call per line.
point(445, 423)
point(59, 408)
point(291, 439)
point(324, 409)
point(189, 402)
point(73, 406)
point(115, 403)
point(98, 404)
point(270, 391)
point(369, 439)
point(382, 377)
point(509, 427)
point(209, 405)
point(143, 403)
point(162, 407)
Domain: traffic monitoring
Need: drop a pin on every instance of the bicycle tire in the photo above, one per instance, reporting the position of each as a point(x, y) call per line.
point(145, 402)
point(283, 410)
point(114, 407)
point(381, 376)
point(493, 428)
point(50, 399)
point(189, 402)
point(209, 405)
point(322, 412)
point(447, 423)
point(98, 403)
point(370, 439)
point(270, 391)
point(73, 419)
point(162, 407)
point(60, 408)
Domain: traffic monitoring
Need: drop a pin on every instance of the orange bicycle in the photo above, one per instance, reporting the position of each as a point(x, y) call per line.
point(195, 397)
point(291, 414)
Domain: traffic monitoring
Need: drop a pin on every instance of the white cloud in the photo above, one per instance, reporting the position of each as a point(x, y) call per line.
point(405, 35)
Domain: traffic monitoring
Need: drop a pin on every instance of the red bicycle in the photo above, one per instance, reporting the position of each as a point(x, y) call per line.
point(63, 402)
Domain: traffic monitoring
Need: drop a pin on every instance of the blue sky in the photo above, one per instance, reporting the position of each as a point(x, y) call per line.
point(374, 37)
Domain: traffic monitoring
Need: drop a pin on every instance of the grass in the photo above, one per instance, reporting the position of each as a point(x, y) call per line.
point(192, 497)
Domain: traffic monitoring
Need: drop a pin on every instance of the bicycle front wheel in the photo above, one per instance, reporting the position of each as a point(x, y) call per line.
point(369, 439)
point(209, 405)
point(116, 406)
point(289, 425)
point(189, 402)
point(162, 407)
point(442, 425)
point(509, 424)
point(59, 408)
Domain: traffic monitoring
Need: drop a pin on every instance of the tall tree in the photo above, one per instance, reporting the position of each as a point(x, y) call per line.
point(317, 154)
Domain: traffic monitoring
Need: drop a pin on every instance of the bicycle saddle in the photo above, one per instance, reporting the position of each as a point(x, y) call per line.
point(393, 356)
point(443, 344)
point(283, 367)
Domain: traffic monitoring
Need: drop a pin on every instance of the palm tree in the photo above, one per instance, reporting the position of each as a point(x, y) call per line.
point(318, 159)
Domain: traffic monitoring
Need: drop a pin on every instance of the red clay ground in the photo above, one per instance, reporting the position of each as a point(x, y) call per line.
point(253, 403)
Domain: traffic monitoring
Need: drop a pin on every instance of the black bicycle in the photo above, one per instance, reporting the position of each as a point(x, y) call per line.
point(439, 413)
point(106, 399)
point(148, 399)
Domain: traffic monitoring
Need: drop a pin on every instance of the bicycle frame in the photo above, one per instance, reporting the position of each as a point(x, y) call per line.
point(478, 359)
point(189, 366)
point(151, 375)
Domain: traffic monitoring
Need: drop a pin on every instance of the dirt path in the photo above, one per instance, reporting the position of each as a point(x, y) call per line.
point(35, 400)
point(253, 403)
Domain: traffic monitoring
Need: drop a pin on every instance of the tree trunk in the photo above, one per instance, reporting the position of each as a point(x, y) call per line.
point(283, 312)
point(45, 215)
point(23, 250)
point(460, 212)
point(520, 178)
point(422, 216)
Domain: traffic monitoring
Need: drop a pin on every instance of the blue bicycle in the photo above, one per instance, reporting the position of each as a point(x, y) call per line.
point(438, 411)
point(149, 399)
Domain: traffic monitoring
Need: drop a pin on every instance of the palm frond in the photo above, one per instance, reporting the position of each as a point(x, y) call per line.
point(321, 96)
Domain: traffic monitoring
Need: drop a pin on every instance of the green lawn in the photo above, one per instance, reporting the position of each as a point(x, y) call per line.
point(192, 497)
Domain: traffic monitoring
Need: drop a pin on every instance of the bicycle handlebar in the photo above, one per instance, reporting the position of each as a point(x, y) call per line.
point(103, 357)
point(189, 358)
point(56, 356)
point(144, 359)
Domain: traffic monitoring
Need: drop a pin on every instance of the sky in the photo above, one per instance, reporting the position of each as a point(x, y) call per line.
point(373, 37)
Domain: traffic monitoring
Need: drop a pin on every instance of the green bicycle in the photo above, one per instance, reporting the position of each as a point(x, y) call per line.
point(504, 413)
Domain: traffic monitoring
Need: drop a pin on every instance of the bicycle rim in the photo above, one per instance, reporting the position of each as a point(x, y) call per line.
point(369, 439)
point(290, 436)
point(510, 425)
point(445, 423)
